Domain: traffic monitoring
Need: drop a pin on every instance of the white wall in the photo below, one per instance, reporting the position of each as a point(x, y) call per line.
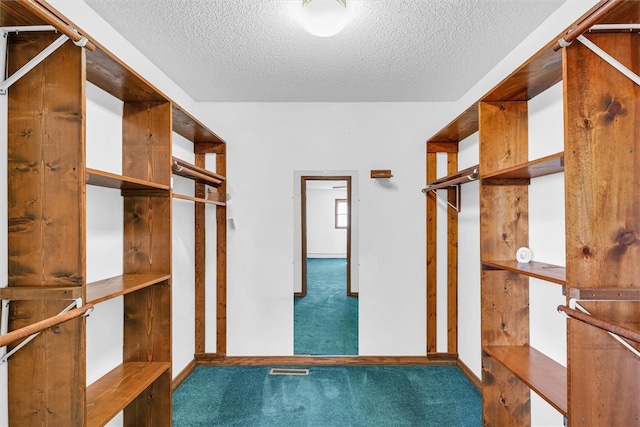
point(324, 240)
point(273, 140)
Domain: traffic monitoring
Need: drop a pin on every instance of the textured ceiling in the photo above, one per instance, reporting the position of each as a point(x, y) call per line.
point(391, 50)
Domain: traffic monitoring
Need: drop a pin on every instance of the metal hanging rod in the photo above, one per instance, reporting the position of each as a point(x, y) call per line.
point(599, 11)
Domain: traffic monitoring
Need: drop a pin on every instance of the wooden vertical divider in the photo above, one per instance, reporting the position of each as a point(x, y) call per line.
point(200, 261)
point(503, 229)
point(602, 175)
point(221, 257)
point(432, 256)
point(146, 151)
point(46, 239)
point(452, 258)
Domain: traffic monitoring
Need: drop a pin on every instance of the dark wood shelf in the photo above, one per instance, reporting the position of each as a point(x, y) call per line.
point(540, 373)
point(198, 199)
point(186, 125)
point(539, 270)
point(114, 391)
point(113, 287)
point(540, 167)
point(198, 174)
point(112, 180)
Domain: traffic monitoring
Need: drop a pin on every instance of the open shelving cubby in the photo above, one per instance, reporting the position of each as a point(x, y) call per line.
point(600, 267)
point(47, 180)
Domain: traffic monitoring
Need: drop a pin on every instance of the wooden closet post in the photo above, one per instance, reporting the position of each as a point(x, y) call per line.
point(200, 260)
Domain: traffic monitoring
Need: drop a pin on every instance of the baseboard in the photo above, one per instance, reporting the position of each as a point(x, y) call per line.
point(470, 375)
point(183, 374)
point(213, 359)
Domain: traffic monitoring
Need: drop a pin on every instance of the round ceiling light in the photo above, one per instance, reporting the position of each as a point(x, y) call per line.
point(324, 18)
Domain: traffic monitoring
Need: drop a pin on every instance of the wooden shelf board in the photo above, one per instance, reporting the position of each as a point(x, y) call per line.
point(189, 127)
point(113, 287)
point(539, 270)
point(198, 174)
point(114, 391)
point(197, 199)
point(454, 176)
point(464, 125)
point(540, 167)
point(605, 294)
point(111, 180)
point(540, 373)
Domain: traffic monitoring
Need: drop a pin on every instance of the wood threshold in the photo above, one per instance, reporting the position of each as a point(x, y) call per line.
point(113, 392)
point(198, 199)
point(540, 167)
point(112, 180)
point(539, 270)
point(540, 373)
point(113, 287)
point(213, 359)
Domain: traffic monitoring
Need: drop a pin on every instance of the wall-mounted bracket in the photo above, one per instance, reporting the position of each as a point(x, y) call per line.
point(4, 32)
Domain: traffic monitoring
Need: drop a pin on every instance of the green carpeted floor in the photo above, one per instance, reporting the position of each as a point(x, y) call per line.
point(326, 319)
point(367, 396)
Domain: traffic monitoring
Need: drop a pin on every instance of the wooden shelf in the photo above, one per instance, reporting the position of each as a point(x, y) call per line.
point(111, 180)
point(113, 287)
point(540, 167)
point(539, 270)
point(198, 199)
point(113, 392)
point(540, 373)
point(198, 174)
point(35, 293)
point(186, 125)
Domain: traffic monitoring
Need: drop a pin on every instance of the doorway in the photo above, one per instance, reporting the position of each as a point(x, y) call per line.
point(326, 306)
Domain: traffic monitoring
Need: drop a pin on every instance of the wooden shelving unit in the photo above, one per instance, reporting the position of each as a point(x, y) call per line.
point(601, 268)
point(47, 179)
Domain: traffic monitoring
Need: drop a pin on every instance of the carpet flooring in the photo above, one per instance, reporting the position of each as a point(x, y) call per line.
point(326, 319)
point(330, 396)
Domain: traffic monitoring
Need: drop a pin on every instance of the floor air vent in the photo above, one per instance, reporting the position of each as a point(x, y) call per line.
point(280, 371)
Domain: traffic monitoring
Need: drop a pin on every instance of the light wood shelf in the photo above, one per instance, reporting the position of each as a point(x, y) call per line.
point(540, 167)
point(113, 287)
point(540, 373)
point(113, 392)
point(539, 270)
point(111, 180)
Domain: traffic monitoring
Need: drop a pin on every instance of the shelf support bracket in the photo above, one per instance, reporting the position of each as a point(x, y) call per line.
point(609, 59)
point(576, 308)
point(4, 32)
point(4, 356)
point(455, 206)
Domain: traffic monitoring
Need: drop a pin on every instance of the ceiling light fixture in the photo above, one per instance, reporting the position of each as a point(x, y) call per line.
point(324, 18)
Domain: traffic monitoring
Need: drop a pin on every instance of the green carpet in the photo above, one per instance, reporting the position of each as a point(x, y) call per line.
point(367, 396)
point(326, 320)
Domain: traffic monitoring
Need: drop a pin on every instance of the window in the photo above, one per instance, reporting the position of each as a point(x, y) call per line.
point(342, 213)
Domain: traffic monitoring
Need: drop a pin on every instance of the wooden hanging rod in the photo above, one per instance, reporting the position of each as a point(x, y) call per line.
point(40, 326)
point(460, 177)
point(598, 12)
point(42, 11)
point(187, 170)
point(602, 324)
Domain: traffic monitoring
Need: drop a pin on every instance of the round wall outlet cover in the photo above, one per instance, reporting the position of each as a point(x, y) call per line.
point(523, 254)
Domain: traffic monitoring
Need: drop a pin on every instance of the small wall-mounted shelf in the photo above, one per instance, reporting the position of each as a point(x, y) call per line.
point(187, 170)
point(381, 173)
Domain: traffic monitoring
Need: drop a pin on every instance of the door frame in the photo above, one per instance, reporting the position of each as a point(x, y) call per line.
point(303, 228)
